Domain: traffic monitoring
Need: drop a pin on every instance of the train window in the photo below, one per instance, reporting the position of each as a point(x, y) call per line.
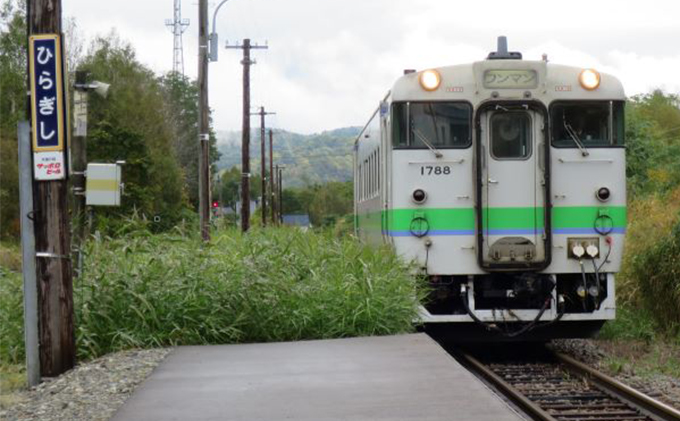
point(510, 135)
point(441, 124)
point(593, 124)
point(379, 170)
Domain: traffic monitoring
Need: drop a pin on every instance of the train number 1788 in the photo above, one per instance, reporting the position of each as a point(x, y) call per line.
point(435, 170)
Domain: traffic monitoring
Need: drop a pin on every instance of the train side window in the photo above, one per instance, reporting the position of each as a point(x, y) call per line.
point(445, 125)
point(359, 181)
point(370, 175)
point(378, 155)
point(593, 124)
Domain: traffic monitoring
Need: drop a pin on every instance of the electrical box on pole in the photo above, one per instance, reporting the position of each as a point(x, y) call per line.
point(103, 186)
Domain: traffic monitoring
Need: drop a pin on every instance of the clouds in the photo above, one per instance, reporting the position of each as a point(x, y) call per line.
point(330, 62)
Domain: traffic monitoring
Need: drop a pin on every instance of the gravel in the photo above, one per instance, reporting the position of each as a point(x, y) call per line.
point(93, 391)
point(594, 353)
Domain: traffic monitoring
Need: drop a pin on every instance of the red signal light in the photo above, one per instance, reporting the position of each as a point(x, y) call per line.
point(216, 204)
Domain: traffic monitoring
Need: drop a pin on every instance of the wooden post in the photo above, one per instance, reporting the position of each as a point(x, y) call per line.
point(263, 169)
point(79, 163)
point(203, 122)
point(272, 176)
point(245, 140)
point(52, 239)
point(245, 133)
point(263, 166)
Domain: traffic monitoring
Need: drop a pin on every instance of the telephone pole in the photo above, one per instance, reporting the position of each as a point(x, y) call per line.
point(279, 176)
point(245, 144)
point(263, 166)
point(272, 176)
point(203, 122)
point(50, 213)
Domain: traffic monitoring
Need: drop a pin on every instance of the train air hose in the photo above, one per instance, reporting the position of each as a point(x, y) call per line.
point(530, 326)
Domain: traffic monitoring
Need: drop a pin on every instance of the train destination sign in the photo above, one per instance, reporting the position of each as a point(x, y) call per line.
point(510, 79)
point(47, 106)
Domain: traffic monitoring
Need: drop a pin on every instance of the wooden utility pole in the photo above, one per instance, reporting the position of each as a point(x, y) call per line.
point(79, 158)
point(245, 144)
point(203, 122)
point(272, 176)
point(279, 176)
point(263, 166)
point(52, 237)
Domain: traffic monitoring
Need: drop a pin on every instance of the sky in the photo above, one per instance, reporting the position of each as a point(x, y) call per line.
point(330, 62)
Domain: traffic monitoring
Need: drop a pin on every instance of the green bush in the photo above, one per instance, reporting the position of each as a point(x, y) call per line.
point(657, 271)
point(11, 317)
point(149, 290)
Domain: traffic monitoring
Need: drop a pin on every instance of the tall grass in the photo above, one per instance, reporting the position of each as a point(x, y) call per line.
point(11, 317)
point(269, 285)
point(650, 277)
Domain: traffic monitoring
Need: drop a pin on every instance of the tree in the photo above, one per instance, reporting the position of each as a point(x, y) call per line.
point(181, 113)
point(324, 203)
point(131, 125)
point(12, 109)
point(229, 187)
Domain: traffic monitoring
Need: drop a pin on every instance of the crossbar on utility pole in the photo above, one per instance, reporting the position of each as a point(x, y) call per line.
point(245, 141)
point(262, 113)
point(203, 122)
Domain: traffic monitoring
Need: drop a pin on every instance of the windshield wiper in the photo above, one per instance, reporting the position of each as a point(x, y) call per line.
point(574, 137)
point(427, 143)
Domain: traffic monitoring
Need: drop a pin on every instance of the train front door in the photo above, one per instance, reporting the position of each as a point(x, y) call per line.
point(513, 195)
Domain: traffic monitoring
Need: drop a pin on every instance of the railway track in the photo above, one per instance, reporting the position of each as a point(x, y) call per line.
point(556, 387)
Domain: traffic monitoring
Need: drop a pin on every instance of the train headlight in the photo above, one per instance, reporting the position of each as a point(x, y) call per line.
point(419, 196)
point(430, 80)
point(589, 79)
point(603, 194)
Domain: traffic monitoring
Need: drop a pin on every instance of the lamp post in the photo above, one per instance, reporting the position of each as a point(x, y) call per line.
point(214, 39)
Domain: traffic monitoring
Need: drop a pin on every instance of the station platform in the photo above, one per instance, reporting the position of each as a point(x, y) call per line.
point(405, 377)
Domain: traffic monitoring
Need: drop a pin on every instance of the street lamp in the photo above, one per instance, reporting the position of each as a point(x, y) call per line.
point(214, 43)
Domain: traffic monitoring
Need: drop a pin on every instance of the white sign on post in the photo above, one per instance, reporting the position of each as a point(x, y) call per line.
point(48, 165)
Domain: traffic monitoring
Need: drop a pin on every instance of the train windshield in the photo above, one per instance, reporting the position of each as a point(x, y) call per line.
point(587, 124)
point(442, 125)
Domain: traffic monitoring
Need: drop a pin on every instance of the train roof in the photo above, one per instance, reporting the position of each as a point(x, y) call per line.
point(507, 79)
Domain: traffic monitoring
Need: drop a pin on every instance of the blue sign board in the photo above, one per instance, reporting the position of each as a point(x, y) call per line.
point(47, 93)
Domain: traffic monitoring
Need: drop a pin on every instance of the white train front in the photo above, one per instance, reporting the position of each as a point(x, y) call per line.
point(504, 181)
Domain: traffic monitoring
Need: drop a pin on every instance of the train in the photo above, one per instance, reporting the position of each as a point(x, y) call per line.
point(503, 182)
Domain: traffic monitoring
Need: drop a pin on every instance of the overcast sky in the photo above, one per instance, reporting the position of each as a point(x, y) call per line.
point(329, 62)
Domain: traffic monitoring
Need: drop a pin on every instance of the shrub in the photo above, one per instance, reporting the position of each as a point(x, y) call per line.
point(650, 218)
point(147, 290)
point(657, 271)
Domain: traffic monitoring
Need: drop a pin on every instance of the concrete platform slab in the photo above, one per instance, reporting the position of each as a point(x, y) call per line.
point(406, 377)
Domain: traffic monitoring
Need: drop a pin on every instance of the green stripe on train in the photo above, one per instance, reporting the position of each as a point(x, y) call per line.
point(500, 218)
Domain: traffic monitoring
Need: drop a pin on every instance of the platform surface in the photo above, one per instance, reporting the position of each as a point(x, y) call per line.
point(405, 377)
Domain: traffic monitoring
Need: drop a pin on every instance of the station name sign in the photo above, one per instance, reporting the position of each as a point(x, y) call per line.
point(47, 107)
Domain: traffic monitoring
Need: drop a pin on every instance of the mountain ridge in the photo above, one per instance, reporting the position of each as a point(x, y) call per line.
point(308, 158)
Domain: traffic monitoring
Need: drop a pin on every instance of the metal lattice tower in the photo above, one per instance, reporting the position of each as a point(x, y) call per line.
point(177, 26)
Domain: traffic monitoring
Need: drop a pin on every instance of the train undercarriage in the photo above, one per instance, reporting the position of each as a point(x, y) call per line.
point(518, 306)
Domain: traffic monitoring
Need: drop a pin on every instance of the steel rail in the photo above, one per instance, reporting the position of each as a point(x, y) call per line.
point(531, 408)
point(646, 404)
